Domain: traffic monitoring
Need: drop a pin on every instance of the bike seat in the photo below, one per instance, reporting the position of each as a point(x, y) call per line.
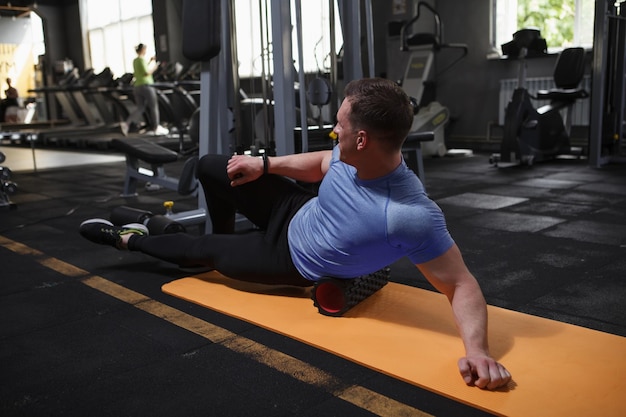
point(568, 73)
point(569, 68)
point(562, 94)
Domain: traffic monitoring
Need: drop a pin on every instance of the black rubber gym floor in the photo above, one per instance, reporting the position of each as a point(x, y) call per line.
point(86, 330)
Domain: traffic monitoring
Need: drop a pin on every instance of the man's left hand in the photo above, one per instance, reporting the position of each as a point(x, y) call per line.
point(483, 372)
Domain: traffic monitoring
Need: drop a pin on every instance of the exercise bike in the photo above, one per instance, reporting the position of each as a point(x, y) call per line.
point(538, 134)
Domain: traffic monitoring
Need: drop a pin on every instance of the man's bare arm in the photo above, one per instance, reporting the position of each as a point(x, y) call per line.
point(306, 167)
point(449, 274)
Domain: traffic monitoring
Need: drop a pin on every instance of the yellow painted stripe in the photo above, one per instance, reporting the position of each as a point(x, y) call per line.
point(64, 268)
point(188, 322)
point(114, 290)
point(359, 396)
point(17, 247)
point(302, 371)
point(379, 404)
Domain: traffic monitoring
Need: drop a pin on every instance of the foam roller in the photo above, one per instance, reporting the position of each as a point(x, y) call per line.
point(124, 215)
point(335, 296)
point(157, 224)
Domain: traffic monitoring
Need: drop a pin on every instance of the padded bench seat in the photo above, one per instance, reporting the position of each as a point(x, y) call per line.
point(413, 142)
point(146, 150)
point(153, 154)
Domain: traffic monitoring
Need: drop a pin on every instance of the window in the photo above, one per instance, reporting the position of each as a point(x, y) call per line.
point(315, 36)
point(563, 23)
point(113, 29)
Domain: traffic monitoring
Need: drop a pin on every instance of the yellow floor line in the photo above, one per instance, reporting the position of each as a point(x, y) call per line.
point(359, 396)
point(379, 404)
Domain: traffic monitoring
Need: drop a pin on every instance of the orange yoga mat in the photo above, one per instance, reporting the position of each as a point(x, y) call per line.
point(408, 333)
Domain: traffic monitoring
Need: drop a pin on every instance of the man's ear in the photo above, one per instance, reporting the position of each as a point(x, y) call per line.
point(361, 140)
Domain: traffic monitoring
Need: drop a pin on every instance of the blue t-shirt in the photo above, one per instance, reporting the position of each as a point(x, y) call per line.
point(355, 227)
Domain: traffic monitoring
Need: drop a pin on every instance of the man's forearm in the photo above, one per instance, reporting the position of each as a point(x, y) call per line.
point(307, 167)
point(470, 314)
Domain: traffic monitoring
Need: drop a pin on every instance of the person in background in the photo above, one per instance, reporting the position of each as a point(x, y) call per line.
point(145, 95)
point(10, 101)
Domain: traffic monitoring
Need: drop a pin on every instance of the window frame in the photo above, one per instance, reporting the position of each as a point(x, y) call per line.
point(122, 31)
point(316, 39)
point(580, 37)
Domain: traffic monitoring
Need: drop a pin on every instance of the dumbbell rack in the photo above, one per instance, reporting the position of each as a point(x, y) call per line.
point(6, 186)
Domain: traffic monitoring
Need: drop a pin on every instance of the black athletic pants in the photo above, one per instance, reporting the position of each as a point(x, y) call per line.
point(258, 256)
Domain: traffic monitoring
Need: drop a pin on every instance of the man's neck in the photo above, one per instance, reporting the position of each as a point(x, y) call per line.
point(376, 167)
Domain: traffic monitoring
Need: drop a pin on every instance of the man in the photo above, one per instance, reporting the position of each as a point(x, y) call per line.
point(371, 210)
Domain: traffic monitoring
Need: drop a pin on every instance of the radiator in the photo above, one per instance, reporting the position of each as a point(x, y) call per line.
point(580, 110)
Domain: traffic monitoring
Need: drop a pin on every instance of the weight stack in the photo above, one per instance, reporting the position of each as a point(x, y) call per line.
point(335, 296)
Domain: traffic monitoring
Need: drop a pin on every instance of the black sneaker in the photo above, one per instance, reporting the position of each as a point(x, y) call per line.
point(104, 232)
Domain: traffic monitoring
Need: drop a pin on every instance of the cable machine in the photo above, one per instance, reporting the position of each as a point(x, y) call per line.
point(209, 37)
point(351, 14)
point(607, 135)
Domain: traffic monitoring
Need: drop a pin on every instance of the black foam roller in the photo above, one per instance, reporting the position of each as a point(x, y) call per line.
point(334, 296)
point(123, 215)
point(159, 225)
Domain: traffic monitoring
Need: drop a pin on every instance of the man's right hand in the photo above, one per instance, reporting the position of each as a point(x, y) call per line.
point(242, 169)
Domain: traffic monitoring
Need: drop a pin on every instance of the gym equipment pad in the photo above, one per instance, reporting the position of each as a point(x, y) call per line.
point(409, 333)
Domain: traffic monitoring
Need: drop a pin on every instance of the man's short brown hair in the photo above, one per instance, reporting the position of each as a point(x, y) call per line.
point(382, 108)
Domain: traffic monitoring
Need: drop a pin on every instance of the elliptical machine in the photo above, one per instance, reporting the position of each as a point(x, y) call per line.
point(530, 134)
point(419, 81)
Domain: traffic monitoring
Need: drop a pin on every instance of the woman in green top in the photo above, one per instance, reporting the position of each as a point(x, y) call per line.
point(145, 95)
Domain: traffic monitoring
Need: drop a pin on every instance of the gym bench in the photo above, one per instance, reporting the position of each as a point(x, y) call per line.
point(413, 143)
point(155, 155)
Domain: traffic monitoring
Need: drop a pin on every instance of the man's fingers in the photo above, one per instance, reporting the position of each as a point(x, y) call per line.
point(497, 376)
point(466, 371)
point(474, 373)
point(483, 374)
point(238, 179)
point(500, 377)
point(242, 169)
